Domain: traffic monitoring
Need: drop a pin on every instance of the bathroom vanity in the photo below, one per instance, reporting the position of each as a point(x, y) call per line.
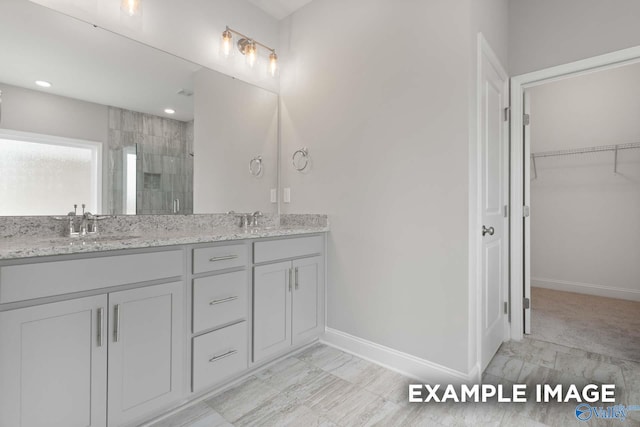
point(159, 308)
point(116, 337)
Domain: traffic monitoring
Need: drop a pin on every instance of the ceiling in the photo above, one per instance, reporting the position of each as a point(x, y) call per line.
point(90, 64)
point(279, 9)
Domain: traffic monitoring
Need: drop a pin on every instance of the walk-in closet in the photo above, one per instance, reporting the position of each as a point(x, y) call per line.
point(585, 211)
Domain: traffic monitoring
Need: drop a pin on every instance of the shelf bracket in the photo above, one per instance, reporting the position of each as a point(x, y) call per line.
point(535, 170)
point(615, 160)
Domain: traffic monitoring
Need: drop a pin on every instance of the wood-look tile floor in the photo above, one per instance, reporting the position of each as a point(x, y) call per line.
point(323, 386)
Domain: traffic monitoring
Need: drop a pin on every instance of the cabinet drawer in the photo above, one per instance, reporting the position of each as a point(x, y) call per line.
point(219, 299)
point(219, 258)
point(218, 355)
point(28, 281)
point(287, 248)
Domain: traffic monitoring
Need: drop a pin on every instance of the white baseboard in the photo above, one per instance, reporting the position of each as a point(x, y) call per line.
point(586, 288)
point(403, 363)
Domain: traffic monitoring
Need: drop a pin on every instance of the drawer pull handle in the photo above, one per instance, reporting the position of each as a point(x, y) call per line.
point(220, 301)
point(222, 258)
point(222, 356)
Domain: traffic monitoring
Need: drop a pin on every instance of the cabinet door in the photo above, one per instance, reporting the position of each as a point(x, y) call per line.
point(308, 299)
point(146, 342)
point(53, 364)
point(271, 309)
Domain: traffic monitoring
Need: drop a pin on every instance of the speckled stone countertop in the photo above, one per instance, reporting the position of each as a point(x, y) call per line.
point(28, 245)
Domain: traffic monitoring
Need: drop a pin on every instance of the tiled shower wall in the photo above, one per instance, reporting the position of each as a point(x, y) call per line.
point(164, 150)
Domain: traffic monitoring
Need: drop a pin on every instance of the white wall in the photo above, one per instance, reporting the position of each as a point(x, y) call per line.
point(234, 122)
point(385, 122)
point(189, 29)
point(38, 112)
point(584, 221)
point(544, 33)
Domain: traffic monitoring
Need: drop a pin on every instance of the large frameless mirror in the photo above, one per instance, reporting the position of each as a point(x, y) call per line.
point(88, 117)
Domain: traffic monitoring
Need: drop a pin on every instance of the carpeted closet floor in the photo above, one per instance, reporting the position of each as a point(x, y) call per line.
point(595, 324)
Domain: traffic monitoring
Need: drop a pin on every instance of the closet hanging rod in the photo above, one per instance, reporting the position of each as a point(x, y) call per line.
point(597, 149)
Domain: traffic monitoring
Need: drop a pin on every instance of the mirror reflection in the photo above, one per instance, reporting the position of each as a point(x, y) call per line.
point(91, 118)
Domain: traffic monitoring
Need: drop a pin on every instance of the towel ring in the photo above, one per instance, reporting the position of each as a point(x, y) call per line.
point(255, 166)
point(299, 157)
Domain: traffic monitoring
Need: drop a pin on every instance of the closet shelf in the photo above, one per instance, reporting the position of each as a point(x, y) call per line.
point(586, 150)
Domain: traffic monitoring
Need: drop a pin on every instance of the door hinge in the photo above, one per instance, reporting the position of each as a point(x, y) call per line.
point(507, 114)
point(526, 211)
point(506, 211)
point(506, 307)
point(527, 303)
point(526, 119)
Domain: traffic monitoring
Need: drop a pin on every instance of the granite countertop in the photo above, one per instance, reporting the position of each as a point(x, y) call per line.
point(34, 246)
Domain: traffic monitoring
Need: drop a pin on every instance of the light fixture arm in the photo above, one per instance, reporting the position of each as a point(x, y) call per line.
point(272, 50)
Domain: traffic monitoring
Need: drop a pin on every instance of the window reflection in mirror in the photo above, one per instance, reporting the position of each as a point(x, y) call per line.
point(40, 173)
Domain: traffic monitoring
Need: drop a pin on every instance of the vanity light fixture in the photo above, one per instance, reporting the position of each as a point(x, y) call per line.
point(131, 7)
point(273, 64)
point(249, 48)
point(43, 83)
point(227, 42)
point(170, 111)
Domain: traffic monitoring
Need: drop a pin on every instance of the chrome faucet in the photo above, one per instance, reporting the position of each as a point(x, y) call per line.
point(248, 220)
point(88, 222)
point(254, 218)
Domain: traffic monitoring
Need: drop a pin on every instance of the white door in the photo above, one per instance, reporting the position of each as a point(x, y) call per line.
point(53, 365)
point(494, 201)
point(146, 341)
point(526, 135)
point(272, 287)
point(307, 314)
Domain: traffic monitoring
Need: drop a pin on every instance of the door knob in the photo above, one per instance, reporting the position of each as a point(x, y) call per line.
point(488, 231)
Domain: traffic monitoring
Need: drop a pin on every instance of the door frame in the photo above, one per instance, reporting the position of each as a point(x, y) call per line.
point(518, 85)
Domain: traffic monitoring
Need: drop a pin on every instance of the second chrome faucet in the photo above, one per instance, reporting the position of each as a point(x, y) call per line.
point(250, 220)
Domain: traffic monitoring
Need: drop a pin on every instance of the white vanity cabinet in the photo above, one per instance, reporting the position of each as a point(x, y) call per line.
point(113, 359)
point(53, 364)
point(220, 310)
point(115, 339)
point(146, 342)
point(288, 296)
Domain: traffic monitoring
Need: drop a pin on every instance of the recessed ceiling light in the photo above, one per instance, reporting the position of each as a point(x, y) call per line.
point(43, 83)
point(170, 111)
